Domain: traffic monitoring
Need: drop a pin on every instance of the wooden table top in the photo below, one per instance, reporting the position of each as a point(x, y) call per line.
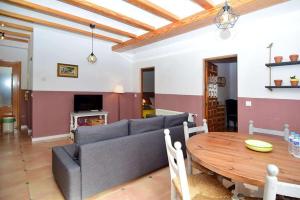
point(226, 154)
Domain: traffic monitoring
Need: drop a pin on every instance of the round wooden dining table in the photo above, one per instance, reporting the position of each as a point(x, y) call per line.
point(226, 154)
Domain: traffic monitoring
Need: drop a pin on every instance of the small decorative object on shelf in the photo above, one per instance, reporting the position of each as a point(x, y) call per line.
point(294, 57)
point(278, 82)
point(278, 59)
point(294, 81)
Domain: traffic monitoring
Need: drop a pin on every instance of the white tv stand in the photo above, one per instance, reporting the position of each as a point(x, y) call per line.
point(87, 118)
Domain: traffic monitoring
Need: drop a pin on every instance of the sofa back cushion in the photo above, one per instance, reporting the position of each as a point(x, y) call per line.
point(137, 126)
point(175, 120)
point(89, 134)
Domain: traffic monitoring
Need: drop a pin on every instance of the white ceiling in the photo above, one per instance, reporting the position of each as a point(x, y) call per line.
point(181, 8)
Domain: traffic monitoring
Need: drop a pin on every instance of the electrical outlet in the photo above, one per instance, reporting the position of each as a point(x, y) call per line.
point(248, 103)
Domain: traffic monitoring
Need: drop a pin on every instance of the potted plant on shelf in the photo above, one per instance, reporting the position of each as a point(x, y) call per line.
point(278, 82)
point(278, 59)
point(294, 81)
point(294, 57)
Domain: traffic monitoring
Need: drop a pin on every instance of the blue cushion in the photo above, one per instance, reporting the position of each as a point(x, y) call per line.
point(137, 126)
point(89, 134)
point(175, 120)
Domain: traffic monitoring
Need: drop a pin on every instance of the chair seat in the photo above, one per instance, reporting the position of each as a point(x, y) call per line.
point(203, 186)
point(201, 168)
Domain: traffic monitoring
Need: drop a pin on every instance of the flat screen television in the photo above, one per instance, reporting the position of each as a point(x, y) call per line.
point(88, 103)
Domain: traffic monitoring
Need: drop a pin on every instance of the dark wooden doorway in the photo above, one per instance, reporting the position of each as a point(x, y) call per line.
point(215, 112)
point(12, 105)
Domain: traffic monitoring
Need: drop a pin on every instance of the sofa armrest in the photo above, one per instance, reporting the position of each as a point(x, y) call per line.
point(66, 173)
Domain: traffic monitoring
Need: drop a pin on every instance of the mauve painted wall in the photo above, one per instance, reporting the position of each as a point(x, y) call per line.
point(185, 103)
point(269, 113)
point(51, 110)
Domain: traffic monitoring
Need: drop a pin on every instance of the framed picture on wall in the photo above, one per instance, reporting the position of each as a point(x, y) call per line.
point(67, 70)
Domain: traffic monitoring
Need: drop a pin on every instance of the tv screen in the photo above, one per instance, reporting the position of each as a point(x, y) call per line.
point(88, 103)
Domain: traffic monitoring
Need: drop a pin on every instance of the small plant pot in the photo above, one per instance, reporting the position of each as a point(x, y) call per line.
point(294, 57)
point(278, 82)
point(278, 59)
point(294, 83)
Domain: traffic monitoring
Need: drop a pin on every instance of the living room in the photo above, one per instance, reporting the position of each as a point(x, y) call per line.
point(178, 59)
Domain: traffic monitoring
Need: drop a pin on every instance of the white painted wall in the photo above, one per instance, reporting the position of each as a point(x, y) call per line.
point(14, 51)
point(179, 61)
point(51, 46)
point(148, 78)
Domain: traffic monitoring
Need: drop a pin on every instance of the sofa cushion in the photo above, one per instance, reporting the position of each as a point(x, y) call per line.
point(175, 120)
point(137, 126)
point(89, 134)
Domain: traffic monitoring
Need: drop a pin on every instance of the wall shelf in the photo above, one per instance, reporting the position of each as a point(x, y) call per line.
point(270, 65)
point(282, 64)
point(274, 87)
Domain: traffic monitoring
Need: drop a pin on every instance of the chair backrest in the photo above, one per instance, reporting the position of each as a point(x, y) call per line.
point(231, 106)
point(187, 132)
point(273, 186)
point(284, 133)
point(176, 165)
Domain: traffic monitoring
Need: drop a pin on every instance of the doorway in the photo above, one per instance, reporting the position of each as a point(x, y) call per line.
point(221, 83)
point(10, 73)
point(148, 92)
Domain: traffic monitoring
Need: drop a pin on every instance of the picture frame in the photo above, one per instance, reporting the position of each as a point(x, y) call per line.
point(221, 81)
point(67, 70)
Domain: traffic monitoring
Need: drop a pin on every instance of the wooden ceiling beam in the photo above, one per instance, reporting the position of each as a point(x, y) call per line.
point(154, 9)
point(109, 13)
point(12, 33)
point(15, 39)
point(57, 26)
point(63, 15)
point(196, 21)
point(206, 4)
point(16, 26)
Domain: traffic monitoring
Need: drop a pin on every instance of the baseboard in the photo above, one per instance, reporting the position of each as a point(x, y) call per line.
point(52, 137)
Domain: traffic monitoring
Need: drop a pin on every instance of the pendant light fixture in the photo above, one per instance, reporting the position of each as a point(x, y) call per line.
point(92, 58)
point(2, 36)
point(226, 18)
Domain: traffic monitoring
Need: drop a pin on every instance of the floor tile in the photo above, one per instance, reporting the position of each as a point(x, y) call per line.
point(25, 167)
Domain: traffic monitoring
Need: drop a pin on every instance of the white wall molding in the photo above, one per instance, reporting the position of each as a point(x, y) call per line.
point(52, 137)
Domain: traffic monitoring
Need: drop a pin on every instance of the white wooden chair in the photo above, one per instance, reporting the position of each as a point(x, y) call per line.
point(284, 133)
point(194, 187)
point(187, 132)
point(273, 186)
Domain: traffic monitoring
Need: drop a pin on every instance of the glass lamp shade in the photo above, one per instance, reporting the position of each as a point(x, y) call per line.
point(92, 58)
point(2, 36)
point(226, 18)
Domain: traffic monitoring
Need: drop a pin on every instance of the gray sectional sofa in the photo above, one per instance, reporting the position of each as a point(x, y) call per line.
point(105, 156)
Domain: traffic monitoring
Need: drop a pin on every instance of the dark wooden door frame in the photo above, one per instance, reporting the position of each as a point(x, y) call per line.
point(16, 69)
point(226, 58)
point(146, 69)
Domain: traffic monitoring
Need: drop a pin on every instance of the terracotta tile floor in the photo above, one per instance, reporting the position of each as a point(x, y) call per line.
point(25, 174)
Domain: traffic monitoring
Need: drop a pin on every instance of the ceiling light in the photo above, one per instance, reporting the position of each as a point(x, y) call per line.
point(226, 18)
point(92, 58)
point(2, 24)
point(2, 36)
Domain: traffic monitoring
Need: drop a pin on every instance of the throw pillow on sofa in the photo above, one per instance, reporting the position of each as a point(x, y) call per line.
point(175, 120)
point(137, 126)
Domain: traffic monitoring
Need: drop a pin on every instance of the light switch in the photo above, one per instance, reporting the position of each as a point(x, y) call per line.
point(248, 103)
